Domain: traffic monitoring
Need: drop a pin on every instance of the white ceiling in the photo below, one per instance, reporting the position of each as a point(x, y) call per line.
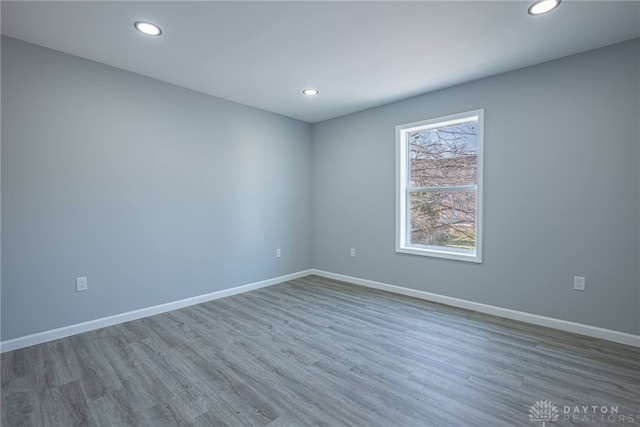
point(359, 54)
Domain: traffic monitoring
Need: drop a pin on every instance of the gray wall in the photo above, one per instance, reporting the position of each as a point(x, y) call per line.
point(561, 191)
point(154, 192)
point(158, 193)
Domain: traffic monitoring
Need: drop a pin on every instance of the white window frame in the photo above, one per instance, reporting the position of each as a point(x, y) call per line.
point(403, 241)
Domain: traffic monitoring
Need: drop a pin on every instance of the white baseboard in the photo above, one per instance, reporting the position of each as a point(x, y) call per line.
point(578, 328)
point(91, 325)
point(563, 325)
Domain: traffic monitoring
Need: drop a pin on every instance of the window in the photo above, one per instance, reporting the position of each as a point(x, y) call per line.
point(439, 187)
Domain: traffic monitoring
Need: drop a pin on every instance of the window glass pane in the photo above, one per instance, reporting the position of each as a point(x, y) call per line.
point(444, 156)
point(443, 218)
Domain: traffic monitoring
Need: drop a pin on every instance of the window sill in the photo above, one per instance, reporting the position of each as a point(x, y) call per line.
point(441, 253)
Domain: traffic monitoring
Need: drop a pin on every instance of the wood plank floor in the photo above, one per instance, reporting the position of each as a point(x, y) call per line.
point(316, 352)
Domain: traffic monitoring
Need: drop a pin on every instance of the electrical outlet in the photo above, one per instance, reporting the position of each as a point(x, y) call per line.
point(278, 253)
point(81, 284)
point(353, 252)
point(579, 283)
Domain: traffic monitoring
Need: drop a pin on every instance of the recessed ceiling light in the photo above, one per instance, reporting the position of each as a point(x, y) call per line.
point(148, 28)
point(543, 6)
point(310, 92)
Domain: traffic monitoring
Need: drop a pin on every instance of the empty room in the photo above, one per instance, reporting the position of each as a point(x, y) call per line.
point(320, 213)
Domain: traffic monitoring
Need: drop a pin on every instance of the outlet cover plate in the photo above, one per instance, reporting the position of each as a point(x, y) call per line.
point(81, 284)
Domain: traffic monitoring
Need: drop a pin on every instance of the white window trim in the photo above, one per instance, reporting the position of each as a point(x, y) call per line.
point(402, 180)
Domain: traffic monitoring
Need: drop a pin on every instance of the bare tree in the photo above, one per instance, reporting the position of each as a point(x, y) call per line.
point(443, 176)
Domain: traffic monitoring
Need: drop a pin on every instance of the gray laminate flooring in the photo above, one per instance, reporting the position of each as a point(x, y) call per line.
point(316, 352)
